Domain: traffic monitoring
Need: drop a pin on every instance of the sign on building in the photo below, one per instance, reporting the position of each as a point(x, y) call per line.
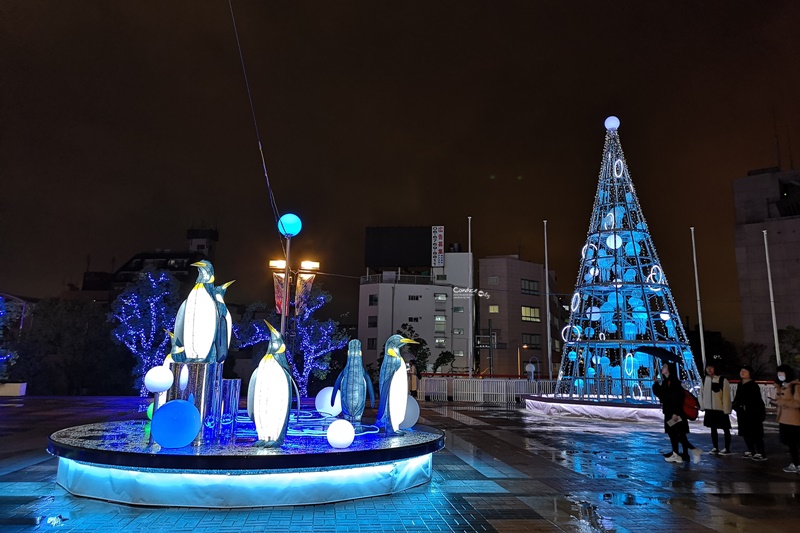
point(437, 246)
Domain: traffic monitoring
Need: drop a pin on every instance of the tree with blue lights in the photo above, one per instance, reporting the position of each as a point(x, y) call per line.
point(622, 299)
point(143, 313)
point(309, 341)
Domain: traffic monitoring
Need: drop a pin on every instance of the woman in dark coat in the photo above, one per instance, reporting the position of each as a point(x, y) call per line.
point(670, 392)
point(750, 412)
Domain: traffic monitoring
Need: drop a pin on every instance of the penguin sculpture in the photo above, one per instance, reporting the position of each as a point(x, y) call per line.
point(393, 385)
point(354, 383)
point(197, 321)
point(224, 324)
point(177, 352)
point(271, 386)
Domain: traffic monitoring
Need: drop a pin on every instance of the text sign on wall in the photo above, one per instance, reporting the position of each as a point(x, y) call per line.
point(437, 246)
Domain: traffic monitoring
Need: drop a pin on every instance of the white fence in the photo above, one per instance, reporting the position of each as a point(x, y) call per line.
point(510, 390)
point(480, 390)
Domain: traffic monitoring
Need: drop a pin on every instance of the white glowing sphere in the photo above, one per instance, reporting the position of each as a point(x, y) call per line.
point(183, 379)
point(614, 241)
point(158, 379)
point(612, 123)
point(664, 316)
point(593, 313)
point(412, 413)
point(323, 402)
point(341, 433)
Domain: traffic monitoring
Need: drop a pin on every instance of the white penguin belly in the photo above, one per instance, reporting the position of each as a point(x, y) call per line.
point(398, 397)
point(200, 324)
point(272, 400)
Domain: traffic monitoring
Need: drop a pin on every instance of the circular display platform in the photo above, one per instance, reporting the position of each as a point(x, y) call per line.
point(116, 461)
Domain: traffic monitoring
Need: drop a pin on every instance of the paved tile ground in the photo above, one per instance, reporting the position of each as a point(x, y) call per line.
point(504, 469)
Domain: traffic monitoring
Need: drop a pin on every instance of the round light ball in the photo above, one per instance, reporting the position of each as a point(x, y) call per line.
point(612, 123)
point(412, 413)
point(572, 356)
point(323, 402)
point(591, 372)
point(341, 433)
point(150, 410)
point(158, 379)
point(289, 225)
point(175, 424)
point(183, 379)
point(614, 241)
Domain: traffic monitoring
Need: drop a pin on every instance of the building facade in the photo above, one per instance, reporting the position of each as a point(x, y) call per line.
point(439, 307)
point(767, 200)
point(513, 318)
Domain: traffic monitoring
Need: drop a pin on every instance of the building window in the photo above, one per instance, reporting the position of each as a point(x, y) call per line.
point(532, 341)
point(458, 309)
point(440, 297)
point(440, 318)
point(414, 297)
point(372, 321)
point(413, 319)
point(530, 314)
point(373, 299)
point(458, 353)
point(529, 286)
point(494, 280)
point(372, 343)
point(441, 277)
point(494, 308)
point(440, 342)
point(458, 331)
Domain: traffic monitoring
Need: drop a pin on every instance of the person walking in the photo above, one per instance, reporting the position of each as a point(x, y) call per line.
point(670, 392)
point(750, 413)
point(787, 398)
point(715, 400)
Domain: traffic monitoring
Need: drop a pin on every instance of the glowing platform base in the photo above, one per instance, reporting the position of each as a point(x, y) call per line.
point(633, 412)
point(115, 461)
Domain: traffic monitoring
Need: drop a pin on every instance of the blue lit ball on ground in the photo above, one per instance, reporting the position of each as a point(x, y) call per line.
point(323, 402)
point(175, 424)
point(289, 225)
point(412, 413)
point(341, 433)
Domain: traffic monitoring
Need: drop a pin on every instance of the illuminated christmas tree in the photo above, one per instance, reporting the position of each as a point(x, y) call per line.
point(622, 300)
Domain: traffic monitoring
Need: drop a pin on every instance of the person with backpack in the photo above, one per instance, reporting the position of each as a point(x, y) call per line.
point(751, 413)
point(715, 400)
point(787, 398)
point(671, 394)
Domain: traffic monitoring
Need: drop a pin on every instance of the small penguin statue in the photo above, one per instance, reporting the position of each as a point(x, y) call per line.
point(354, 383)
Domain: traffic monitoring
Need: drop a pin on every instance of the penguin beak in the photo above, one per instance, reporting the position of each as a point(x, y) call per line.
point(408, 341)
point(199, 264)
point(226, 285)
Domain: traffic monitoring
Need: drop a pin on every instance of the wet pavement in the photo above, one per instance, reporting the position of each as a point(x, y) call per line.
point(503, 469)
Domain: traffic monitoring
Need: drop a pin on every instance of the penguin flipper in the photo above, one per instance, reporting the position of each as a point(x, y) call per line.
point(371, 390)
point(336, 388)
point(296, 390)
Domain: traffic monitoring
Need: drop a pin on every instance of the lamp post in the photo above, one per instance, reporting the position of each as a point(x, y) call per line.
point(289, 225)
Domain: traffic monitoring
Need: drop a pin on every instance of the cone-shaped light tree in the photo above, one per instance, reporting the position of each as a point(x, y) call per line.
point(622, 300)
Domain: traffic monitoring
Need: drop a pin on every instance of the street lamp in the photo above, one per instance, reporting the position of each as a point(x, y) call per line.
point(289, 225)
point(282, 279)
point(519, 362)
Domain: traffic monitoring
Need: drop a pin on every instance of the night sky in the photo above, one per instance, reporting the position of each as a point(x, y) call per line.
point(122, 124)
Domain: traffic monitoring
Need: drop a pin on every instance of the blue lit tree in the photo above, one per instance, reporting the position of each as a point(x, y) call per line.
point(622, 299)
point(310, 341)
point(7, 357)
point(143, 313)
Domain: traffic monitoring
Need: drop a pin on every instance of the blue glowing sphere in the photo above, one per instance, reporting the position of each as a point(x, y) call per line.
point(591, 372)
point(612, 123)
point(572, 356)
point(175, 424)
point(578, 384)
point(289, 225)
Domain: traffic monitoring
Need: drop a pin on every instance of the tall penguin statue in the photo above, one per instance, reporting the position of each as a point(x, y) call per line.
point(354, 383)
point(393, 385)
point(222, 341)
point(271, 391)
point(197, 321)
